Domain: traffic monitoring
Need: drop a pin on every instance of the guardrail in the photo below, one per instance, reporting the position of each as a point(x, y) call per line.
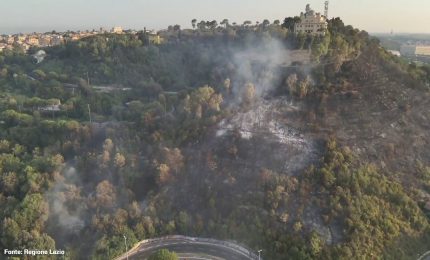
point(229, 244)
point(424, 256)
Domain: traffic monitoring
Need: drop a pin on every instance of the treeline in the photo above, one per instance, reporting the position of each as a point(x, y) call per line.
point(24, 179)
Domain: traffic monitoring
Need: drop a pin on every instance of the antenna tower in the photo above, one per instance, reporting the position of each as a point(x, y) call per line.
point(326, 9)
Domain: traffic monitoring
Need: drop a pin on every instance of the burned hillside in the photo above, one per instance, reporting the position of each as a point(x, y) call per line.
point(308, 147)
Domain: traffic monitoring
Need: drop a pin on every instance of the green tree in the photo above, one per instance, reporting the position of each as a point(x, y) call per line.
point(247, 23)
point(290, 22)
point(163, 254)
point(316, 244)
point(265, 23)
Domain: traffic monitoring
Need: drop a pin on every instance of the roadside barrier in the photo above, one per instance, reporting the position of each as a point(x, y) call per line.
point(196, 240)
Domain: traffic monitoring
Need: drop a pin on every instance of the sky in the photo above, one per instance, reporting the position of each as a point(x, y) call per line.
point(375, 16)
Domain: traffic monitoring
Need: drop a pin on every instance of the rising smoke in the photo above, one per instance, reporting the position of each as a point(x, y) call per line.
point(65, 201)
point(259, 64)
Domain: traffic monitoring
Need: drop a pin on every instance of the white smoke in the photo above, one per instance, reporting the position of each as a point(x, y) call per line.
point(259, 64)
point(66, 189)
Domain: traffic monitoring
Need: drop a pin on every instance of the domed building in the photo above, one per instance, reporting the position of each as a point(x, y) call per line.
point(311, 23)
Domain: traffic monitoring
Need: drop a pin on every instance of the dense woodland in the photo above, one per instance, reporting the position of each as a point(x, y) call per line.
point(115, 159)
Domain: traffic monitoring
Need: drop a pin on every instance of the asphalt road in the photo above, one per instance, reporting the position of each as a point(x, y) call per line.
point(187, 249)
point(425, 256)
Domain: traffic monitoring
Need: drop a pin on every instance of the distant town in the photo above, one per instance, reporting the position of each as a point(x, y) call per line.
point(29, 40)
point(412, 47)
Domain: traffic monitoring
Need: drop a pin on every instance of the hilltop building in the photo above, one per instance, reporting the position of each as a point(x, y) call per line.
point(117, 29)
point(311, 22)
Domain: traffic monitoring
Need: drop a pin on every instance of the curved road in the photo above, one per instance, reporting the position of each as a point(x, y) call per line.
point(191, 249)
point(425, 256)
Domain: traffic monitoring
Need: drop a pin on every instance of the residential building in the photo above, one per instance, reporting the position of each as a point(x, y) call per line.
point(153, 37)
point(25, 46)
point(57, 40)
point(33, 40)
point(53, 107)
point(45, 40)
point(20, 38)
point(311, 23)
point(10, 39)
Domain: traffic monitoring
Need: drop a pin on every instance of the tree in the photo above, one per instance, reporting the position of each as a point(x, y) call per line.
point(32, 213)
point(10, 233)
point(176, 27)
point(105, 159)
point(105, 194)
point(163, 254)
point(107, 149)
point(213, 24)
point(108, 145)
point(202, 101)
point(316, 244)
point(304, 87)
point(276, 22)
point(320, 47)
point(201, 25)
point(163, 174)
point(39, 74)
point(9, 182)
point(248, 95)
point(225, 23)
point(290, 22)
point(193, 23)
point(297, 227)
point(247, 23)
point(173, 158)
point(227, 85)
point(265, 23)
point(119, 160)
point(292, 84)
point(183, 222)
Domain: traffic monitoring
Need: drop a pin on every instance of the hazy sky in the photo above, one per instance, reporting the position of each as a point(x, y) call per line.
point(46, 15)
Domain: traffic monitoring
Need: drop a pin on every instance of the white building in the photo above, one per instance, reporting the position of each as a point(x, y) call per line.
point(117, 29)
point(311, 22)
point(415, 50)
point(395, 53)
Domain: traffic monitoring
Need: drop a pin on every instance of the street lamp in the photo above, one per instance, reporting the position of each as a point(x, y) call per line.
point(126, 248)
point(259, 254)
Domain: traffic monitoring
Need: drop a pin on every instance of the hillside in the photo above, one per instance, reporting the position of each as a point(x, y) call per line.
point(307, 147)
